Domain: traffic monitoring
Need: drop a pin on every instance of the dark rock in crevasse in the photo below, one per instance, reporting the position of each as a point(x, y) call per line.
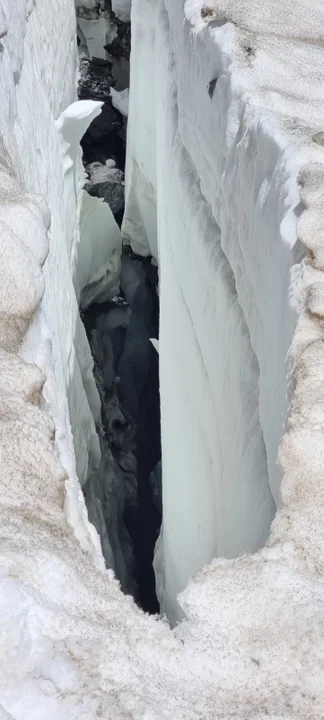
point(95, 79)
point(107, 182)
point(121, 44)
point(101, 141)
point(139, 394)
point(113, 487)
point(211, 87)
point(111, 193)
point(99, 147)
point(123, 495)
point(127, 375)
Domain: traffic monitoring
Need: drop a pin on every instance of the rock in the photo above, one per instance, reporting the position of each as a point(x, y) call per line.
point(96, 79)
point(101, 138)
point(120, 46)
point(101, 141)
point(112, 193)
point(102, 128)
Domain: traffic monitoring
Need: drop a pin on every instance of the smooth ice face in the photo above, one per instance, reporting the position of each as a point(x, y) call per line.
point(97, 32)
point(98, 263)
point(120, 100)
point(217, 475)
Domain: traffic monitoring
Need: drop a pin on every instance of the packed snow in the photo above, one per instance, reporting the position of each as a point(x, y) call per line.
point(225, 187)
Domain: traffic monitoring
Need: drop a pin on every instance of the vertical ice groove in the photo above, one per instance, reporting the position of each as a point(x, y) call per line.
point(239, 509)
point(221, 498)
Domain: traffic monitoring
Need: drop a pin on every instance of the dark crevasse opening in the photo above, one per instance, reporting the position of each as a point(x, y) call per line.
point(126, 371)
point(139, 394)
point(124, 494)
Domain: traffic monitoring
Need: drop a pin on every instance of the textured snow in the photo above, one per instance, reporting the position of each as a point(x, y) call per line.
point(104, 173)
point(71, 645)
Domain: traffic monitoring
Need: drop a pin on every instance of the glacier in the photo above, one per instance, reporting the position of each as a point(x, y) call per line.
point(232, 207)
point(224, 188)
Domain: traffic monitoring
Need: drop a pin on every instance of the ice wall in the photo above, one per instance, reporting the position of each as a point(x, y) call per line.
point(41, 126)
point(220, 248)
point(71, 644)
point(212, 188)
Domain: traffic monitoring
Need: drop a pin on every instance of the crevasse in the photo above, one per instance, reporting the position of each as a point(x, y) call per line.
point(224, 186)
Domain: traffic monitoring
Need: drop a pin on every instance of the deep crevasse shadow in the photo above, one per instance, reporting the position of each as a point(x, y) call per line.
point(126, 372)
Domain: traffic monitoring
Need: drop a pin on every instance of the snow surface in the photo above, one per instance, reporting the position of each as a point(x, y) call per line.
point(71, 645)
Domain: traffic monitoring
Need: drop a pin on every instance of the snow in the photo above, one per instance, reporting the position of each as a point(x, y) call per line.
point(105, 173)
point(71, 126)
point(251, 646)
point(155, 344)
point(120, 100)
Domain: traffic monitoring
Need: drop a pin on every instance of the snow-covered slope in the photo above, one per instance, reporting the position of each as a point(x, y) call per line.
point(71, 645)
